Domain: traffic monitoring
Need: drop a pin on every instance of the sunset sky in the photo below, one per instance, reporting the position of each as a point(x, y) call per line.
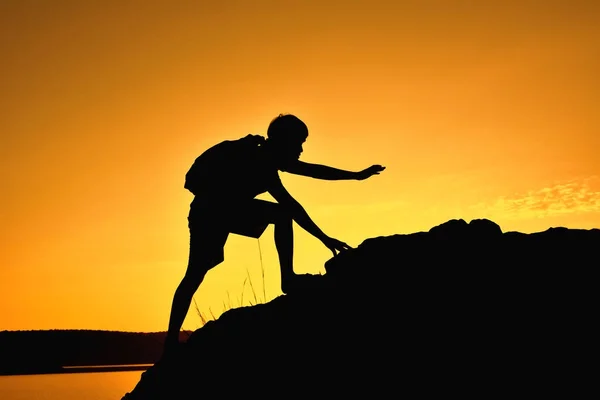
point(481, 109)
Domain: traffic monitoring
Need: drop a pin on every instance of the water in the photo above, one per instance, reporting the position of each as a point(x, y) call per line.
point(73, 386)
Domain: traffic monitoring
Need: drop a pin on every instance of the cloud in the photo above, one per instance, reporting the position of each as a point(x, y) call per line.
point(572, 197)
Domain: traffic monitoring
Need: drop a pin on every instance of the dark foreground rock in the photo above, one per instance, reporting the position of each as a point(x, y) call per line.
point(453, 310)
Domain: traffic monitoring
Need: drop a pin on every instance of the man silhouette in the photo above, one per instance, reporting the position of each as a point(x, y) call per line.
point(225, 181)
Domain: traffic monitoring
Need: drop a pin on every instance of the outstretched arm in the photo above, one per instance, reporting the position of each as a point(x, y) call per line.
point(325, 172)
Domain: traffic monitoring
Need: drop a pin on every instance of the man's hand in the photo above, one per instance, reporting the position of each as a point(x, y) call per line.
point(368, 172)
point(335, 245)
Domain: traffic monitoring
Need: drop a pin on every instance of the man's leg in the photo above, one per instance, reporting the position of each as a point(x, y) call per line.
point(252, 218)
point(206, 252)
point(181, 305)
point(284, 243)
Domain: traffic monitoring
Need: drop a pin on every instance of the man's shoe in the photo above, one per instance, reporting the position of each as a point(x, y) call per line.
point(171, 349)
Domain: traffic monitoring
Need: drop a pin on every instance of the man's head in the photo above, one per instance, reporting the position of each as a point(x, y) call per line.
point(286, 134)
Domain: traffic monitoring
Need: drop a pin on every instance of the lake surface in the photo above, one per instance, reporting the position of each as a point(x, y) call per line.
point(69, 386)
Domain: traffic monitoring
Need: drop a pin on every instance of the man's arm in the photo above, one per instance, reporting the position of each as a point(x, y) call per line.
point(301, 217)
point(318, 171)
point(285, 199)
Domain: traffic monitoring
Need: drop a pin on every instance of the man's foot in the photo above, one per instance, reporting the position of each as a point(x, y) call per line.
point(301, 282)
point(171, 347)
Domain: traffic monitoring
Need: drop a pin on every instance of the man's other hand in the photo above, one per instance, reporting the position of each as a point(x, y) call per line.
point(335, 245)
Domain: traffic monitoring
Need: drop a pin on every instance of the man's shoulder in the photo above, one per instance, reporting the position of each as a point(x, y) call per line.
point(292, 166)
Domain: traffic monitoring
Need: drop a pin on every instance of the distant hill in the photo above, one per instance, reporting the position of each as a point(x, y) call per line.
point(461, 309)
point(43, 351)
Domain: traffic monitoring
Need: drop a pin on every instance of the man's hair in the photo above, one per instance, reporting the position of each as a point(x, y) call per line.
point(287, 126)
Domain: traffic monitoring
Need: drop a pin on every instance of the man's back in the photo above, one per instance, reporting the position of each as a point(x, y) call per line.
point(231, 171)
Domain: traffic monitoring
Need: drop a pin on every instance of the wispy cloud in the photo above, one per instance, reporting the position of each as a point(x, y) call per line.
point(571, 197)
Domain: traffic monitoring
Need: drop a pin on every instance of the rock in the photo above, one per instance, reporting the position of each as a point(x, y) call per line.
point(435, 312)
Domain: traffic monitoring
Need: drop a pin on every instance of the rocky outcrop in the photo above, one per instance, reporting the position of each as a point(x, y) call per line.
point(460, 307)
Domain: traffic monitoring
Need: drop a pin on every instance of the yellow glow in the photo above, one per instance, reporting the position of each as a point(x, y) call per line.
point(476, 110)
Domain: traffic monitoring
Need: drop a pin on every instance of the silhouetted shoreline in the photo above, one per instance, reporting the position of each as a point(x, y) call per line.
point(84, 369)
point(74, 351)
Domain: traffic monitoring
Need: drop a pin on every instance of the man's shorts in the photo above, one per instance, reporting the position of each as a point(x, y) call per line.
point(210, 226)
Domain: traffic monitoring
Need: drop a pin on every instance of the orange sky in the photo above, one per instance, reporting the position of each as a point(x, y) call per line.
point(477, 111)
